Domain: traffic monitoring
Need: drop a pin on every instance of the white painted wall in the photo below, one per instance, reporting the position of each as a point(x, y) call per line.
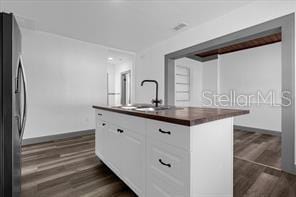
point(150, 62)
point(65, 78)
point(149, 65)
point(251, 70)
point(210, 79)
point(111, 84)
point(248, 72)
point(196, 79)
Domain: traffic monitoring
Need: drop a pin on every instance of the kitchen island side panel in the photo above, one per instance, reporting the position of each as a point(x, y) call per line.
point(211, 168)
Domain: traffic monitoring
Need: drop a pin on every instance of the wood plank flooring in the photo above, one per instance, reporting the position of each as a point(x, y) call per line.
point(253, 180)
point(257, 147)
point(70, 168)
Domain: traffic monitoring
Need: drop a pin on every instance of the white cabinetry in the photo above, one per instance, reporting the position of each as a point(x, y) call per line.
point(134, 159)
point(159, 159)
point(112, 150)
point(168, 170)
point(122, 149)
point(99, 136)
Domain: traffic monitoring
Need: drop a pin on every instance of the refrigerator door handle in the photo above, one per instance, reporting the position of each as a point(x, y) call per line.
point(22, 121)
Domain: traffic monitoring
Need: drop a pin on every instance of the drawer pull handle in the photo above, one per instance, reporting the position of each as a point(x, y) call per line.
point(100, 114)
point(165, 164)
point(164, 132)
point(120, 130)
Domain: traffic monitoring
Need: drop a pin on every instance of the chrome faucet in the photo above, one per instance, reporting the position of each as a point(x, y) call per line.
point(154, 101)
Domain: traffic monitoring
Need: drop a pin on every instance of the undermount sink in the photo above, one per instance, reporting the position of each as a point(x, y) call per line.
point(128, 107)
point(145, 108)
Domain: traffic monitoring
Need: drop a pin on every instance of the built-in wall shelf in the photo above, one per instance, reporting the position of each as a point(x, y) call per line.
point(182, 84)
point(113, 93)
point(185, 75)
point(182, 92)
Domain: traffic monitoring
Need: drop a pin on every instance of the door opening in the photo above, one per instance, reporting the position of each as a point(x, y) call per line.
point(285, 25)
point(126, 88)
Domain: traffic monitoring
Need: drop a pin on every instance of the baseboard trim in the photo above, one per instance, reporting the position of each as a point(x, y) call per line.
point(42, 139)
point(257, 130)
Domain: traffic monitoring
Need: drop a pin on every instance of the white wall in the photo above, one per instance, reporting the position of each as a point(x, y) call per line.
point(65, 78)
point(149, 65)
point(210, 78)
point(150, 62)
point(246, 72)
point(111, 84)
point(249, 71)
point(196, 79)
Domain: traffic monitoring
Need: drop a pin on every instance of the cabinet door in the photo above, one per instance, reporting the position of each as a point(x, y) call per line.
point(168, 170)
point(134, 160)
point(112, 150)
point(99, 138)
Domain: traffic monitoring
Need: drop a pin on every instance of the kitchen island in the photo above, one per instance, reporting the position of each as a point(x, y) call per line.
point(170, 152)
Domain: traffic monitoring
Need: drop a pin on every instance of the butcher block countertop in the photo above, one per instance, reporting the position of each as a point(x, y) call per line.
point(187, 116)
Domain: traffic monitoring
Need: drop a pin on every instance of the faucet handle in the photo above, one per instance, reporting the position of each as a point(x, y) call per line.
point(154, 101)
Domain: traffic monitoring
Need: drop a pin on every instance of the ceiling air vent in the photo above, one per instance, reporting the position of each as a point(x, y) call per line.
point(180, 26)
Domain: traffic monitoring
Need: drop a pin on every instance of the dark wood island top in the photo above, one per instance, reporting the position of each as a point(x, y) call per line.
point(188, 116)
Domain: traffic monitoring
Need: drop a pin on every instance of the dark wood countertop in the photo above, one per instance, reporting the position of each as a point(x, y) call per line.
point(188, 116)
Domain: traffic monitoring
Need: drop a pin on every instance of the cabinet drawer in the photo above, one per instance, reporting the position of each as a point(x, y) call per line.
point(173, 134)
point(160, 187)
point(170, 163)
point(125, 121)
point(102, 115)
point(100, 124)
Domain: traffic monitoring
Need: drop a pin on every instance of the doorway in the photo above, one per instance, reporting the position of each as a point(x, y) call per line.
point(285, 25)
point(126, 87)
point(120, 77)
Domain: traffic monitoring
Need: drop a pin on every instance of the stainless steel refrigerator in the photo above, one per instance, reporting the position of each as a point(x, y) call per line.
point(13, 105)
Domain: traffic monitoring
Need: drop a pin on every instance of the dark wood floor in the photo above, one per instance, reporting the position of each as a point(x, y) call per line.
point(258, 148)
point(70, 168)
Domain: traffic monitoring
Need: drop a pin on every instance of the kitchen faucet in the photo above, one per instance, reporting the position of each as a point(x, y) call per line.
point(154, 101)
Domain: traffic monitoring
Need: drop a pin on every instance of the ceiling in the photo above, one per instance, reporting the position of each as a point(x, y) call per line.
point(124, 24)
point(116, 57)
point(261, 41)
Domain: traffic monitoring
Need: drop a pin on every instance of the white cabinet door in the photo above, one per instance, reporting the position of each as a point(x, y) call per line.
point(160, 187)
point(168, 170)
point(123, 149)
point(112, 147)
point(134, 160)
point(99, 138)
